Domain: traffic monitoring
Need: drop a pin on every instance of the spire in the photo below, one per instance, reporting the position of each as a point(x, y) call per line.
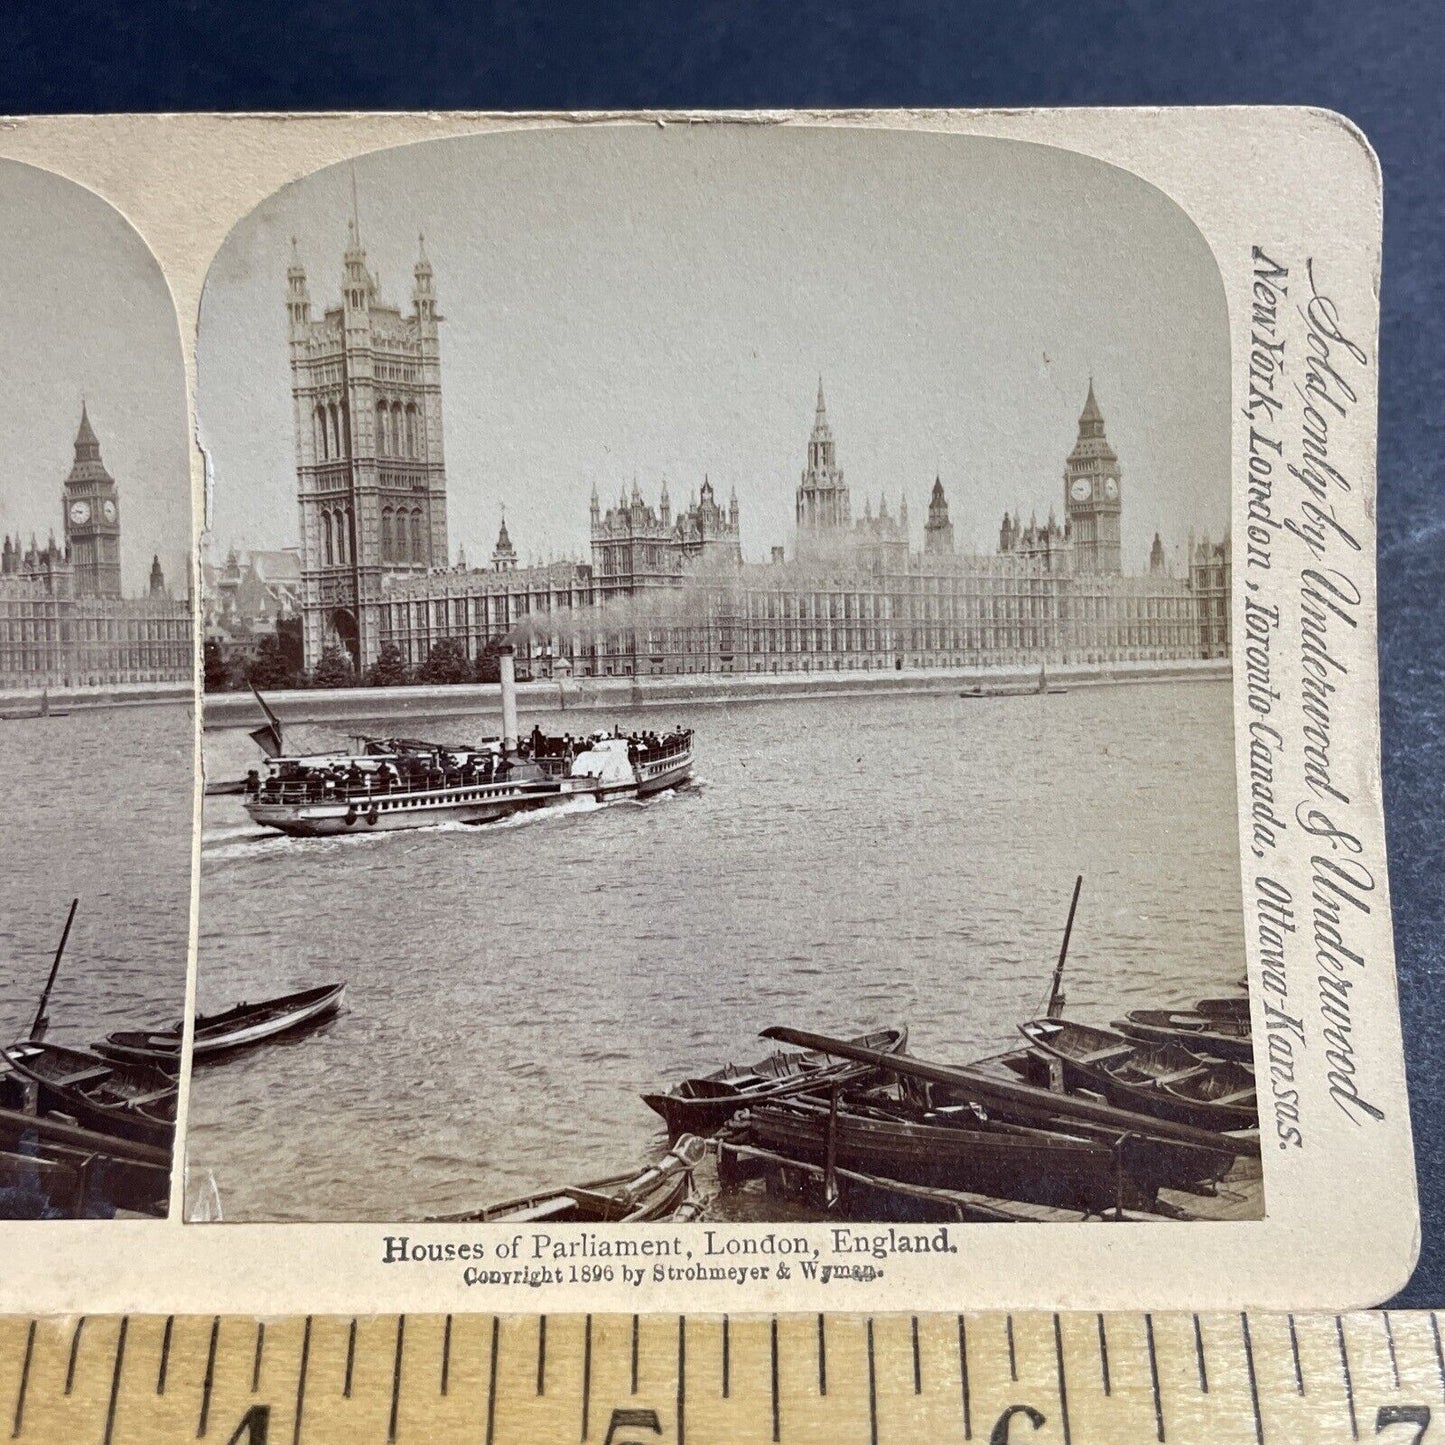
point(88, 466)
point(423, 293)
point(85, 435)
point(504, 554)
point(1091, 419)
point(158, 578)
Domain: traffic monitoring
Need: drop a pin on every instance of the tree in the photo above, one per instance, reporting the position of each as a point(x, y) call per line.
point(488, 669)
point(218, 674)
point(389, 669)
point(446, 663)
point(269, 668)
point(333, 669)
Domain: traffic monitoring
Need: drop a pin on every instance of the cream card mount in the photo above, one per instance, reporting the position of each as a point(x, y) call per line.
point(716, 574)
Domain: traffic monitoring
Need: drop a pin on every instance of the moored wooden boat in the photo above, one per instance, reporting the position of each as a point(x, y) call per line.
point(1224, 1038)
point(657, 1192)
point(1235, 1007)
point(972, 1155)
point(131, 1101)
point(235, 1028)
point(80, 1173)
point(1163, 1080)
point(704, 1105)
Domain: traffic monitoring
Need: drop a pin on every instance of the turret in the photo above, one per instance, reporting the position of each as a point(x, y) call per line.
point(158, 581)
point(298, 298)
point(423, 294)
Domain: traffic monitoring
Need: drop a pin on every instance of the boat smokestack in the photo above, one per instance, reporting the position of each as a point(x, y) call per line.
point(507, 674)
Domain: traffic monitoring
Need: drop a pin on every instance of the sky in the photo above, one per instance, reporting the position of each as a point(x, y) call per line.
point(87, 314)
point(640, 302)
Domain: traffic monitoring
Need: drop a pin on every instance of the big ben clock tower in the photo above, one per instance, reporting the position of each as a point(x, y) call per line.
point(92, 518)
point(1092, 494)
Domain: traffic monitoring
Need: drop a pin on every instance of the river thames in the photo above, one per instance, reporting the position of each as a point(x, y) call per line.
point(101, 810)
point(836, 864)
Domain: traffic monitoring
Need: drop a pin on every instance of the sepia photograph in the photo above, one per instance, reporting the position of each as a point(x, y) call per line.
point(718, 692)
point(97, 713)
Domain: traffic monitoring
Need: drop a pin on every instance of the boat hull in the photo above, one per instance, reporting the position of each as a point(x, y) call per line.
point(1239, 1047)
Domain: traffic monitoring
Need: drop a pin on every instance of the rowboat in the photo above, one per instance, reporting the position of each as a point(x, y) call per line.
point(967, 1153)
point(702, 1106)
point(1224, 1038)
point(1163, 1080)
point(246, 1023)
point(131, 1101)
point(660, 1191)
point(56, 1168)
point(1236, 1008)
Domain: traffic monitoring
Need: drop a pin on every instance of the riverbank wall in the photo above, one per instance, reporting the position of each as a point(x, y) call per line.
point(624, 694)
point(18, 703)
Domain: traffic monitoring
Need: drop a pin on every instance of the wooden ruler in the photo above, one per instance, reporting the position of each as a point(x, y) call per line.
point(1211, 1379)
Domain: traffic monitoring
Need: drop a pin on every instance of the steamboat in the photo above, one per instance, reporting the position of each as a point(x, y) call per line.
point(386, 783)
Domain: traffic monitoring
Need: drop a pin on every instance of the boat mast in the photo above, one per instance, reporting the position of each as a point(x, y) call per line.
point(1056, 996)
point(42, 1021)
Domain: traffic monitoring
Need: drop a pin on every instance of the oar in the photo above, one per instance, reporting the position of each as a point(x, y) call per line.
point(1001, 1092)
point(42, 1022)
point(1055, 1006)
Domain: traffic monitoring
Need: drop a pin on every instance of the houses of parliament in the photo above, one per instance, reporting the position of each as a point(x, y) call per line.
point(63, 620)
point(666, 589)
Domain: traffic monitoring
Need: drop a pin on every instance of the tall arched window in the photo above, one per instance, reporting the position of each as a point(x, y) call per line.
point(383, 439)
point(345, 429)
point(416, 552)
point(343, 524)
point(318, 434)
point(411, 430)
point(335, 430)
point(398, 437)
point(386, 534)
point(327, 542)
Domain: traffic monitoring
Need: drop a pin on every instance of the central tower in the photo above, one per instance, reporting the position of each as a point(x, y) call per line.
point(370, 471)
point(823, 503)
point(1093, 501)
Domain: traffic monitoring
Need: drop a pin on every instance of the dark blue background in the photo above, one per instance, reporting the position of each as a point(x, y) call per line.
point(1380, 64)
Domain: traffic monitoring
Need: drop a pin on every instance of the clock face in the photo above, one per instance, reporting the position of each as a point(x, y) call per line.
point(1082, 489)
point(107, 510)
point(1111, 488)
point(80, 513)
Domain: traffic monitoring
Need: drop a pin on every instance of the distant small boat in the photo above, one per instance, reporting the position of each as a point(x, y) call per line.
point(246, 1023)
point(1200, 1033)
point(130, 1101)
point(660, 1191)
point(704, 1105)
point(1014, 689)
point(1163, 1080)
point(44, 710)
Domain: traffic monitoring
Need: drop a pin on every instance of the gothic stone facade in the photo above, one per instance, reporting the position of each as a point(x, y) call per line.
point(669, 593)
point(63, 621)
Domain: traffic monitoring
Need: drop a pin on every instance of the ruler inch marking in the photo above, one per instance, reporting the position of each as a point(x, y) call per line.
point(396, 1378)
point(1390, 1346)
point(963, 1378)
point(823, 1355)
point(301, 1381)
point(1063, 1384)
point(74, 1353)
point(1349, 1381)
point(586, 1374)
point(256, 1363)
point(492, 1380)
point(773, 1350)
point(1104, 1356)
point(541, 1354)
point(917, 1363)
point(636, 1331)
point(446, 1356)
point(19, 1421)
point(1013, 1363)
point(681, 1380)
point(726, 1359)
point(1154, 1377)
point(350, 1360)
point(115, 1381)
point(1253, 1377)
point(1199, 1357)
point(872, 1391)
point(1299, 1374)
point(208, 1384)
point(165, 1355)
